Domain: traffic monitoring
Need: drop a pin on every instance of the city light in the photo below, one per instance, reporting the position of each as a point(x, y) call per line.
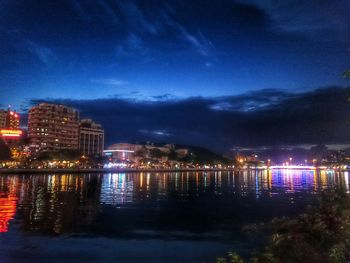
point(11, 133)
point(296, 167)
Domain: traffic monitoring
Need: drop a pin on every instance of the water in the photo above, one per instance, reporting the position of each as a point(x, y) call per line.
point(146, 217)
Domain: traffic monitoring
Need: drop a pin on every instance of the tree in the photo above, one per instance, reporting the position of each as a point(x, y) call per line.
point(156, 153)
point(346, 75)
point(65, 154)
point(142, 153)
point(5, 152)
point(173, 155)
point(321, 234)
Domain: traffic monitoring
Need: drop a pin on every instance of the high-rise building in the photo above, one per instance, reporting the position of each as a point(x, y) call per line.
point(9, 119)
point(53, 127)
point(12, 120)
point(91, 138)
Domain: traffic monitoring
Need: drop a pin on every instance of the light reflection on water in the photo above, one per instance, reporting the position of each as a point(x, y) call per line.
point(56, 204)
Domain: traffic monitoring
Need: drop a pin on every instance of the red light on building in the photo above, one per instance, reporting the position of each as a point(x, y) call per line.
point(10, 133)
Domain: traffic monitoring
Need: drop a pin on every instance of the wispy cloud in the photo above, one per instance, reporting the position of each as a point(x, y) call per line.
point(80, 10)
point(140, 27)
point(136, 19)
point(109, 12)
point(310, 18)
point(252, 101)
point(110, 81)
point(44, 54)
point(160, 133)
point(196, 40)
point(132, 46)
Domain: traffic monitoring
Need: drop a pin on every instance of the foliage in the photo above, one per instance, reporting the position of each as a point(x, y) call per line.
point(205, 156)
point(68, 155)
point(143, 152)
point(322, 234)
point(5, 152)
point(173, 155)
point(346, 74)
point(231, 258)
point(156, 153)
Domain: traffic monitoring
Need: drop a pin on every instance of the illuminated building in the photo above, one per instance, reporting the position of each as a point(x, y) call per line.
point(91, 138)
point(12, 120)
point(9, 119)
point(137, 152)
point(9, 127)
point(53, 127)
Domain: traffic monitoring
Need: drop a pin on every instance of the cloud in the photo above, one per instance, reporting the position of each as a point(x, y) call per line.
point(112, 82)
point(136, 19)
point(109, 13)
point(44, 54)
point(164, 97)
point(158, 133)
point(80, 10)
point(131, 46)
point(320, 116)
point(325, 19)
point(197, 40)
point(251, 101)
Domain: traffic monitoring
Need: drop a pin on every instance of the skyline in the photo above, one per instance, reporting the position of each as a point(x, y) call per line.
point(260, 120)
point(242, 64)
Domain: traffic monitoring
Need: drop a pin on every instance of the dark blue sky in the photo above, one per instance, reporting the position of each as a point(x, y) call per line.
point(140, 49)
point(160, 51)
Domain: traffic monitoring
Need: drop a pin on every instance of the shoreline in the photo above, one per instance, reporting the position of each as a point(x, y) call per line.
point(4, 171)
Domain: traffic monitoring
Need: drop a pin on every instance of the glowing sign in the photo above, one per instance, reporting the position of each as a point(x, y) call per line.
point(11, 133)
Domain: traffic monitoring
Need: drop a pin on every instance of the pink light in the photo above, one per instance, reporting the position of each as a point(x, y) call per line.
point(286, 167)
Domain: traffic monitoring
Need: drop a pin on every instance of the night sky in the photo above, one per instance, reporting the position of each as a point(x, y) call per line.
point(219, 74)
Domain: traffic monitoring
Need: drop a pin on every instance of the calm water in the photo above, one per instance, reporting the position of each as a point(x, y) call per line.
point(145, 217)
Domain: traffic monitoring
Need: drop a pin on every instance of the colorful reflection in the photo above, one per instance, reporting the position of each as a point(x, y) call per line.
point(117, 188)
point(8, 205)
point(56, 204)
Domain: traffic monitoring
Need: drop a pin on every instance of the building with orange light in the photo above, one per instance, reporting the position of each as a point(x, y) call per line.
point(53, 127)
point(9, 127)
point(9, 119)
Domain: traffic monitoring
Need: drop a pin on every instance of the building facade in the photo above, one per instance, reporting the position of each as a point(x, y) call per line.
point(53, 127)
point(91, 138)
point(137, 152)
point(9, 119)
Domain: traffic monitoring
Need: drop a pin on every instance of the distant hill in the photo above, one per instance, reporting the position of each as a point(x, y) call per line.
point(202, 155)
point(197, 154)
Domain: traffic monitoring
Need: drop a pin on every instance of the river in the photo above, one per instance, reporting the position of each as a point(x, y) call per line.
point(146, 217)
